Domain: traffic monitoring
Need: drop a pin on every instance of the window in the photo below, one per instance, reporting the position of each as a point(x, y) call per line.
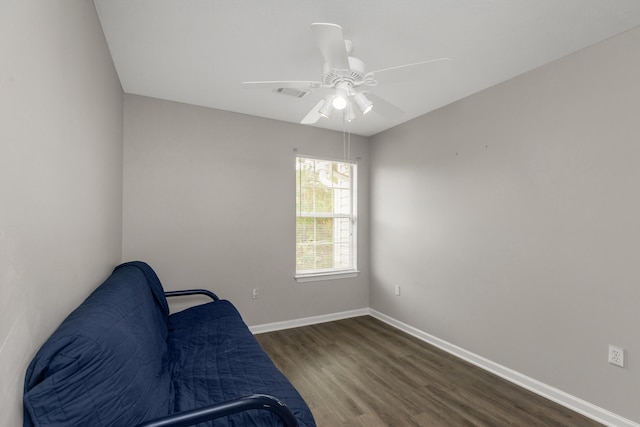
point(325, 219)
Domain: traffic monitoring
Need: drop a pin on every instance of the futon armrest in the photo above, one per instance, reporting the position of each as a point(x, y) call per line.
point(223, 409)
point(192, 292)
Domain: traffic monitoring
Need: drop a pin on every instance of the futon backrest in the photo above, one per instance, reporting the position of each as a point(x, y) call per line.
point(106, 364)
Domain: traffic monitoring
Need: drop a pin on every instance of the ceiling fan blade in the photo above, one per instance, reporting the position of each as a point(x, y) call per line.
point(271, 85)
point(332, 45)
point(407, 72)
point(313, 116)
point(385, 108)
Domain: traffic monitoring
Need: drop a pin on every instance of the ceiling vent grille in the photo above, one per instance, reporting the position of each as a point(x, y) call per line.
point(296, 93)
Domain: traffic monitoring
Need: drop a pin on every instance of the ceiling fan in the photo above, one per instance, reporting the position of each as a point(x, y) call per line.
point(344, 81)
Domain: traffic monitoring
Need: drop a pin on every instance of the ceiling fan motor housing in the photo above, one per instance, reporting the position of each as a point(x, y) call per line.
point(354, 75)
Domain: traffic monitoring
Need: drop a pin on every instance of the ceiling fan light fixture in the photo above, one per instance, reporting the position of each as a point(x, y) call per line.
point(327, 108)
point(363, 102)
point(349, 114)
point(340, 100)
point(339, 103)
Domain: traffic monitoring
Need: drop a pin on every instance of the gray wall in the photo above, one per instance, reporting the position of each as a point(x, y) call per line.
point(209, 201)
point(511, 221)
point(60, 175)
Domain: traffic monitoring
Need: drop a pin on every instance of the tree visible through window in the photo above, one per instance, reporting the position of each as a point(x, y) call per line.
point(325, 220)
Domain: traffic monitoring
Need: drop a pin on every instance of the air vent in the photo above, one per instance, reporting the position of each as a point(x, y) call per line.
point(292, 92)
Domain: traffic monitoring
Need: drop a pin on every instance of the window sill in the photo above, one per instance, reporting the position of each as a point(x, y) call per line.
point(334, 275)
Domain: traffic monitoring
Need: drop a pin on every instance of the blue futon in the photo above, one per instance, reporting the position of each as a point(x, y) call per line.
point(121, 360)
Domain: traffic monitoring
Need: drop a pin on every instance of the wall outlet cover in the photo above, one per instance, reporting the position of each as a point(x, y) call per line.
point(616, 355)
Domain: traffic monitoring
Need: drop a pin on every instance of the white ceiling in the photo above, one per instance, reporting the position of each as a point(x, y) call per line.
point(200, 51)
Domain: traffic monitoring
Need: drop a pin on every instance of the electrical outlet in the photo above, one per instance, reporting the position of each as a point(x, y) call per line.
point(254, 293)
point(616, 355)
point(397, 290)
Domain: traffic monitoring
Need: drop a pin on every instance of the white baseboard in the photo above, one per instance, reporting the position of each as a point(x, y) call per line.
point(578, 405)
point(306, 321)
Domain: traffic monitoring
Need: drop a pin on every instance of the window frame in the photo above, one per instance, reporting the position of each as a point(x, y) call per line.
point(334, 273)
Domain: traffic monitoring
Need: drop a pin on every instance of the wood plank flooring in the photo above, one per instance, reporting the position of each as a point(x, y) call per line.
point(363, 372)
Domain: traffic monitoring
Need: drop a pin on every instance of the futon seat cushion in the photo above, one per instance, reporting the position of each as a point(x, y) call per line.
point(231, 364)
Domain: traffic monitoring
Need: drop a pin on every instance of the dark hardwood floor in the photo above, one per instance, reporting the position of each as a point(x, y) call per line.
point(363, 372)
